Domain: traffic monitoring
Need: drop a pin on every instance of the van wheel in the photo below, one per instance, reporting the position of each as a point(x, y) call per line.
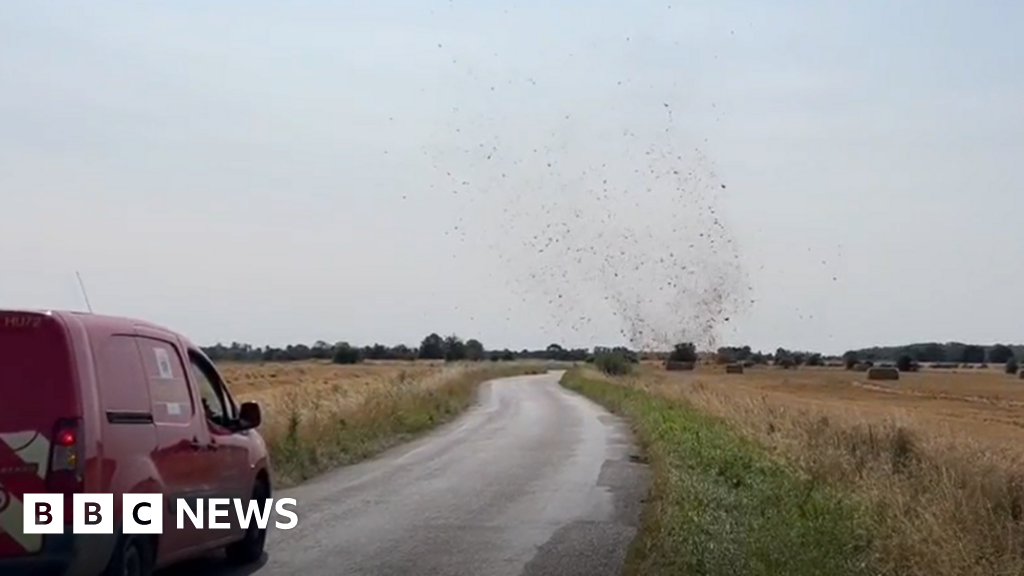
point(250, 548)
point(132, 557)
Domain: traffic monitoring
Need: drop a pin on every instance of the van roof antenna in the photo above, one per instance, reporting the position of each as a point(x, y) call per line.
point(84, 293)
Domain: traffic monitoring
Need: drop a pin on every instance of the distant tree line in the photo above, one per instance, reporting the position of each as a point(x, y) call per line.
point(929, 352)
point(934, 352)
point(780, 357)
point(451, 348)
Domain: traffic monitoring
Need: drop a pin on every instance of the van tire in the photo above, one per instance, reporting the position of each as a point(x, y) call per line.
point(250, 548)
point(132, 557)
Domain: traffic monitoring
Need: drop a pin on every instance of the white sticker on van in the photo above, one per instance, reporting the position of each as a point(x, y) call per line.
point(173, 409)
point(163, 363)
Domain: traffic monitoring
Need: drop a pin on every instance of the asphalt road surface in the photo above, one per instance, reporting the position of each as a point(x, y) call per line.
point(533, 481)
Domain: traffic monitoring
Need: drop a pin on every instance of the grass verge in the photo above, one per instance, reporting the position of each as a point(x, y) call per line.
point(720, 505)
point(315, 434)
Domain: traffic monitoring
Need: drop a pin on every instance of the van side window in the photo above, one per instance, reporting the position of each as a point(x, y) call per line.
point(218, 409)
point(122, 376)
point(168, 386)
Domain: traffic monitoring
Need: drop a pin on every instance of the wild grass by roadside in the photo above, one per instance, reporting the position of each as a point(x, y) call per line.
point(941, 473)
point(720, 505)
point(311, 429)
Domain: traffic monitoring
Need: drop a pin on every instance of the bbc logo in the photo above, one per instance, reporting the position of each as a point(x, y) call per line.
point(144, 513)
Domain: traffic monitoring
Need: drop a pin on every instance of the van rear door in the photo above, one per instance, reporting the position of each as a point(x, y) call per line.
point(39, 405)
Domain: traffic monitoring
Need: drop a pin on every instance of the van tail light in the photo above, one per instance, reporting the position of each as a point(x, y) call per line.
point(66, 458)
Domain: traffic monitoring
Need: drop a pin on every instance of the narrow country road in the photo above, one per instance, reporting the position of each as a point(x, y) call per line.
point(533, 481)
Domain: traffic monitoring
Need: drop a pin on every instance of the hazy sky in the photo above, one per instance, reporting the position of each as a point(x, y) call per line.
point(373, 171)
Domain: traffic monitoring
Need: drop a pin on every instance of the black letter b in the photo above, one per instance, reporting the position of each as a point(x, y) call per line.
point(92, 510)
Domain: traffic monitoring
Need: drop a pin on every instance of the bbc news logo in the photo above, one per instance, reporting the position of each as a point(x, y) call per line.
point(144, 513)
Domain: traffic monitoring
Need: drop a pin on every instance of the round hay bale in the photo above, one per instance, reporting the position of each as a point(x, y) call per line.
point(861, 367)
point(676, 366)
point(883, 373)
point(1021, 375)
point(734, 369)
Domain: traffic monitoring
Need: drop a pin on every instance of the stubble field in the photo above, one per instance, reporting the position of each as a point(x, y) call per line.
point(984, 405)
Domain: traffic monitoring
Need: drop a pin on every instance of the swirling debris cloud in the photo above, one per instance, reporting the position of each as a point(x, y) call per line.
point(601, 221)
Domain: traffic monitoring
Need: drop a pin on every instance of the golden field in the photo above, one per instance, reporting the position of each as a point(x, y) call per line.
point(252, 379)
point(936, 458)
point(983, 404)
point(283, 387)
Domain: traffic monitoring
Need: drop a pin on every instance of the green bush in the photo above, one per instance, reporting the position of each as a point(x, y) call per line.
point(1012, 366)
point(905, 363)
point(346, 354)
point(613, 363)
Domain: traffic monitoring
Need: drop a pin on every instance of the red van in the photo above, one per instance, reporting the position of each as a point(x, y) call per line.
point(98, 404)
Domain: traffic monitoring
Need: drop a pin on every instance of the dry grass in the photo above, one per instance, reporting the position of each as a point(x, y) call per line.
point(283, 388)
point(937, 459)
point(319, 415)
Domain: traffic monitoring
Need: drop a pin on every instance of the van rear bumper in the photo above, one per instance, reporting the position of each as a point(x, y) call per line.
point(64, 555)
